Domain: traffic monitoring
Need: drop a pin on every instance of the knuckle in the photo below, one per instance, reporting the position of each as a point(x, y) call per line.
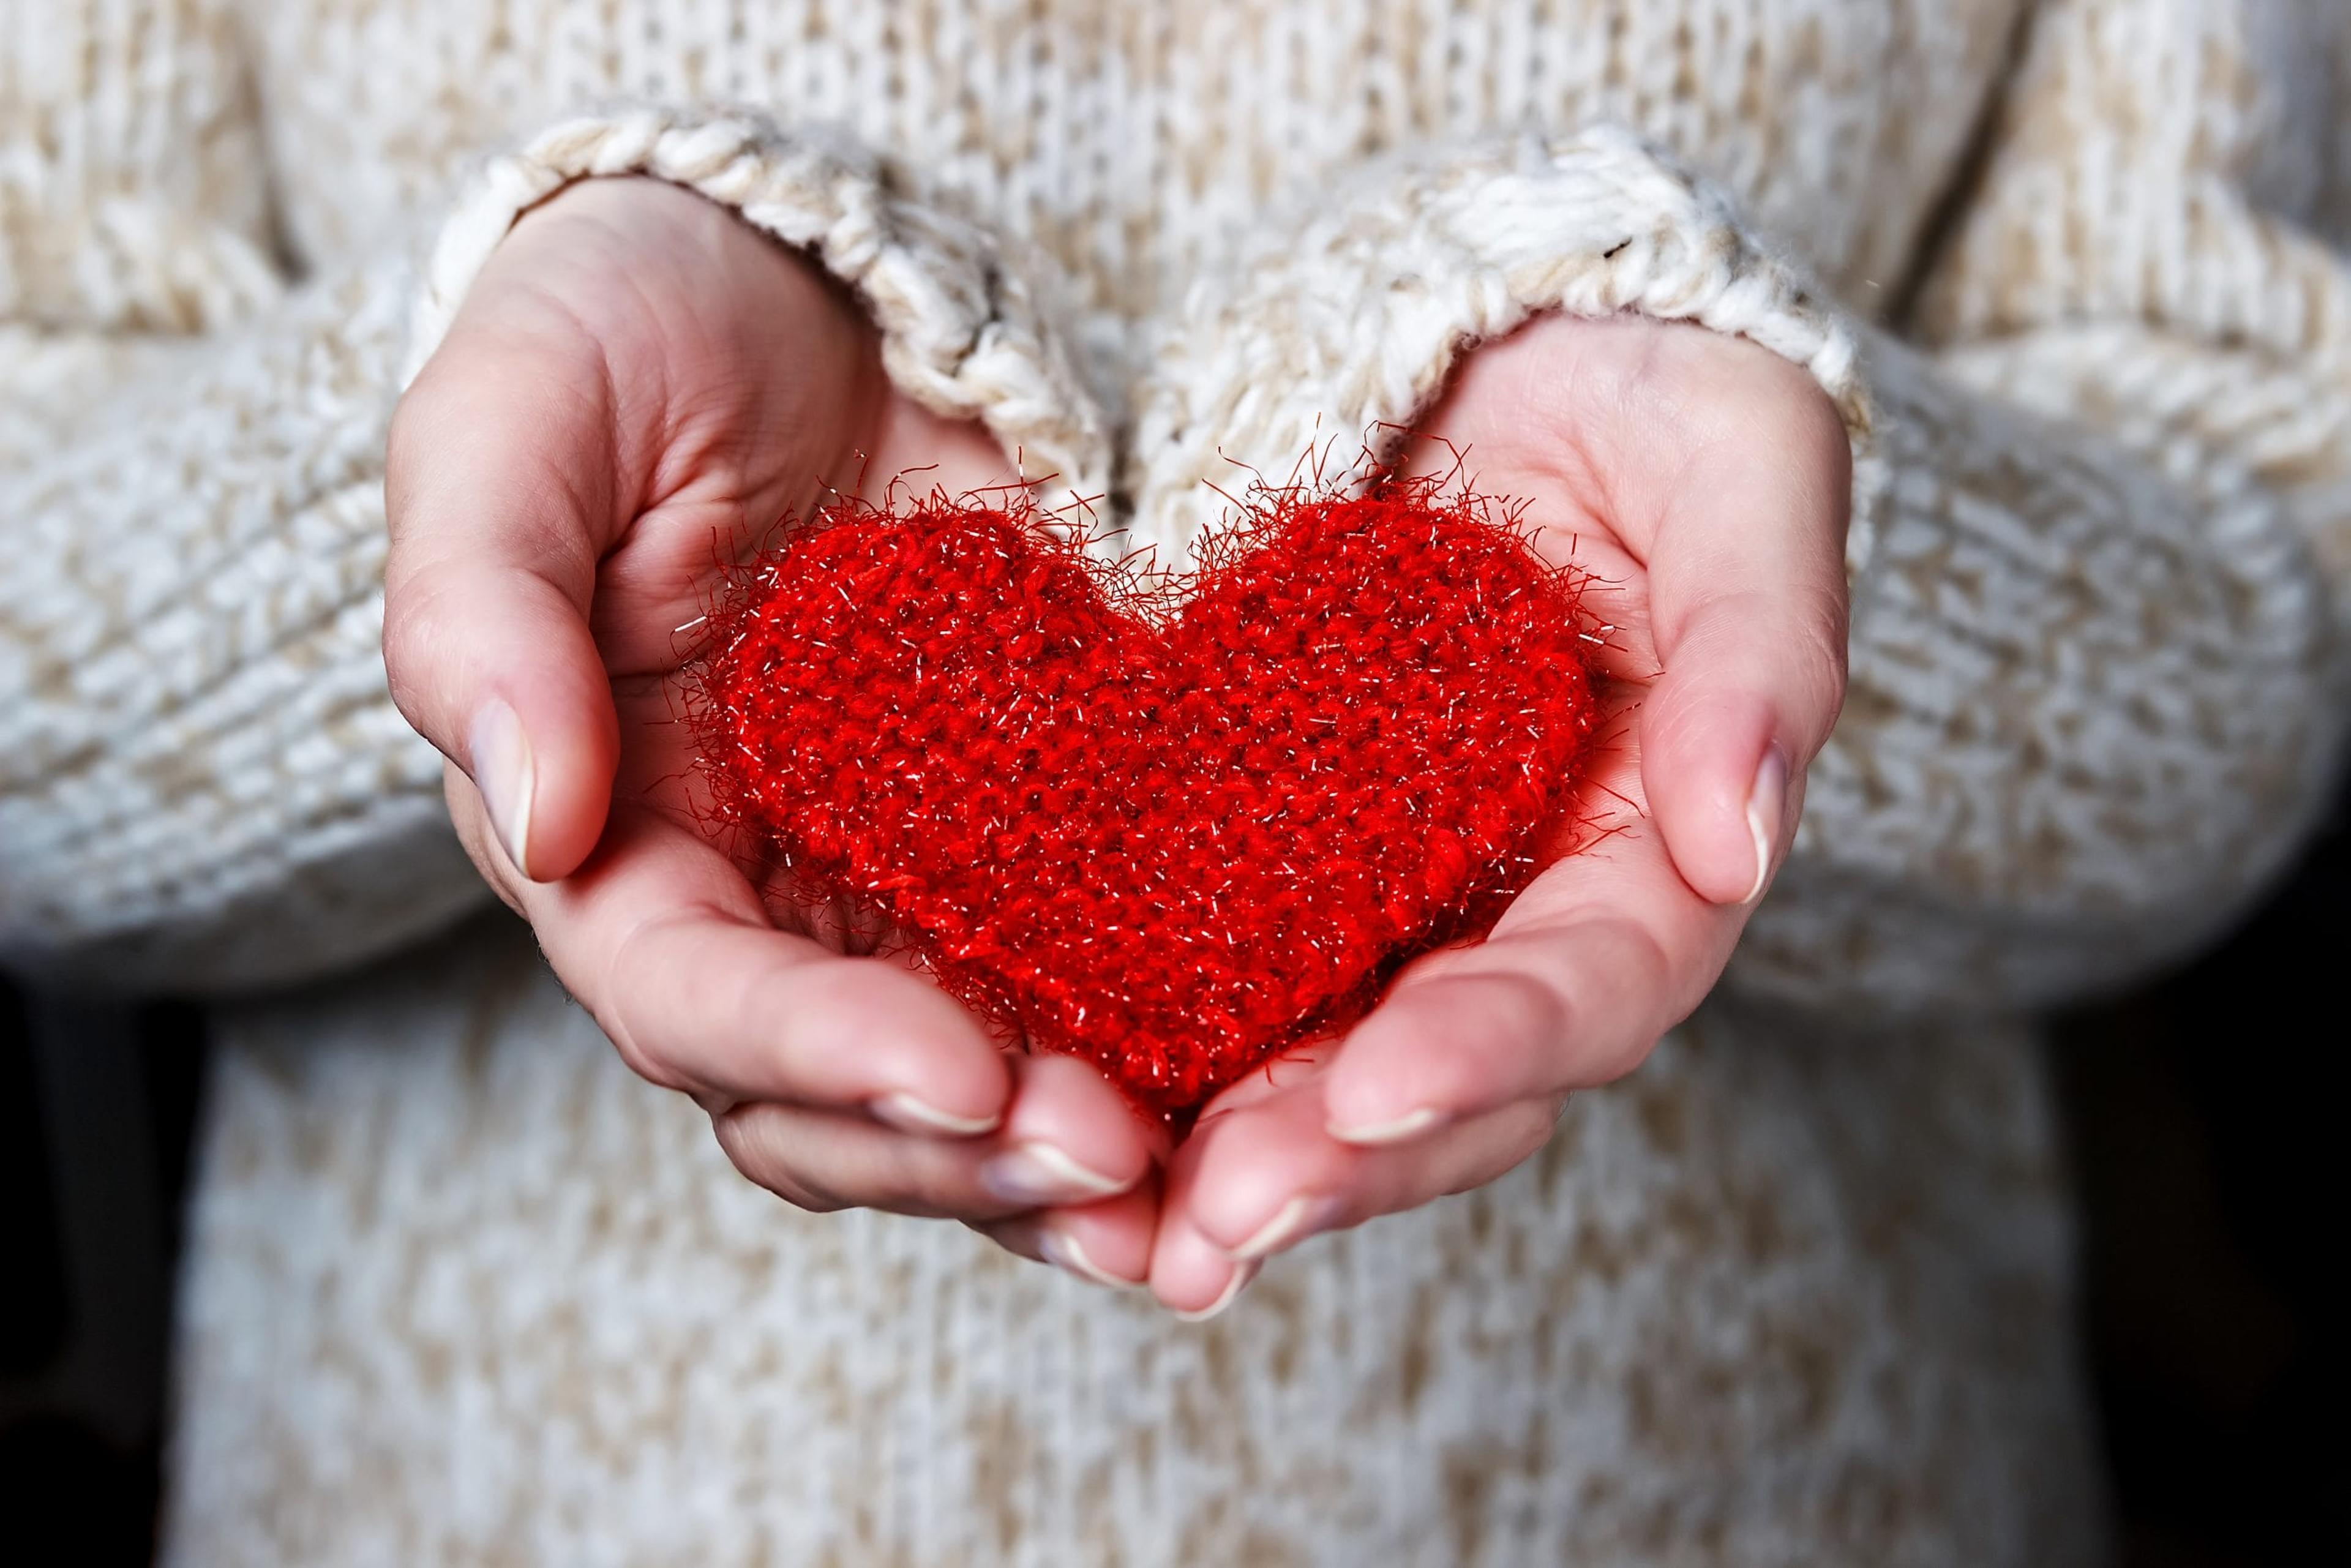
point(1655, 971)
point(616, 986)
point(401, 665)
point(1543, 1012)
point(756, 1145)
point(797, 1190)
point(411, 621)
point(1529, 1003)
point(1823, 667)
point(808, 1195)
point(646, 1064)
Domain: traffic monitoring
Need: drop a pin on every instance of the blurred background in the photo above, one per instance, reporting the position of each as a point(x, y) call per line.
point(2202, 1138)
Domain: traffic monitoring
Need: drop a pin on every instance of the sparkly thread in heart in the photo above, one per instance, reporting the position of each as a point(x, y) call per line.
point(1170, 828)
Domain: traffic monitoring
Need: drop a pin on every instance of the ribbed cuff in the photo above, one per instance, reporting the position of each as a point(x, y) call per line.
point(1351, 321)
point(964, 330)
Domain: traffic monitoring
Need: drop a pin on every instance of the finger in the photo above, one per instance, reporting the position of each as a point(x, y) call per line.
point(1747, 586)
point(499, 487)
point(1069, 1138)
point(659, 936)
point(826, 1160)
point(1602, 954)
point(1268, 1177)
point(1107, 1243)
point(1192, 1276)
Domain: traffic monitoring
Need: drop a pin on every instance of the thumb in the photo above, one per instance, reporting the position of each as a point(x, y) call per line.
point(1725, 732)
point(499, 495)
point(1748, 606)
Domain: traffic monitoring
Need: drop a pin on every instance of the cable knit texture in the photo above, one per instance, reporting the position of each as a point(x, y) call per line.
point(1347, 324)
point(463, 1290)
point(962, 330)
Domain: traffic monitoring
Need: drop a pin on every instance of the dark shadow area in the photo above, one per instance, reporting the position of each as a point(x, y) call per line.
point(2203, 1141)
point(2207, 1148)
point(97, 1108)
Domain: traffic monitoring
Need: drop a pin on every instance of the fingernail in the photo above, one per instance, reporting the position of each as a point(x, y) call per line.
point(1233, 1288)
point(1066, 1253)
point(1299, 1218)
point(1767, 804)
point(910, 1114)
point(1411, 1124)
point(498, 758)
point(1040, 1173)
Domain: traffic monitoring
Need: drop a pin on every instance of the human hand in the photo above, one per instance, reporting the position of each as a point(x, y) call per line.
point(636, 380)
point(1703, 483)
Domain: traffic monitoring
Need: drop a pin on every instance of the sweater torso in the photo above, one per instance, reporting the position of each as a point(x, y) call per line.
point(1134, 143)
point(463, 1290)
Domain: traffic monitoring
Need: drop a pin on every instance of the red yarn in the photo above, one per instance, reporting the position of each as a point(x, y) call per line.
point(1171, 831)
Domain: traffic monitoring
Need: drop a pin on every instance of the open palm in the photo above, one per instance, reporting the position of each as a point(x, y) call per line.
point(637, 382)
point(1701, 484)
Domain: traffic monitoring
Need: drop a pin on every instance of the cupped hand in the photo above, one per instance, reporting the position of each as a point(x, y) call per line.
point(637, 384)
point(1703, 485)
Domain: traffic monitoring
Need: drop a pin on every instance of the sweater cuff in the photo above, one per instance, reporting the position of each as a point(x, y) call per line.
point(1351, 321)
point(965, 329)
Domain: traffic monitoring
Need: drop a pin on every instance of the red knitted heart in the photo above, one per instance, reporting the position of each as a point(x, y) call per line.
point(1172, 831)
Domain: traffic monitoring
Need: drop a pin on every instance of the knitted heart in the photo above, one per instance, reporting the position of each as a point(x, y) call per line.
point(1172, 829)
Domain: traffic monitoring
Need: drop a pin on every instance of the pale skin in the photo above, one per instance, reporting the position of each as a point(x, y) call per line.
point(636, 372)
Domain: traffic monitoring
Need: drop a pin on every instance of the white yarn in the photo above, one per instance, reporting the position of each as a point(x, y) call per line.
point(1792, 1293)
point(962, 331)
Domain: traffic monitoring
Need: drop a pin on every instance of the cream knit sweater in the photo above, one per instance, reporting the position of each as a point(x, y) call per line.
point(462, 1290)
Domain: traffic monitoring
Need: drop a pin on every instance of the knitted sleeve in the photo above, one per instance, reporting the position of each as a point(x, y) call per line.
point(203, 782)
point(2093, 702)
point(2136, 392)
point(199, 781)
point(133, 208)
